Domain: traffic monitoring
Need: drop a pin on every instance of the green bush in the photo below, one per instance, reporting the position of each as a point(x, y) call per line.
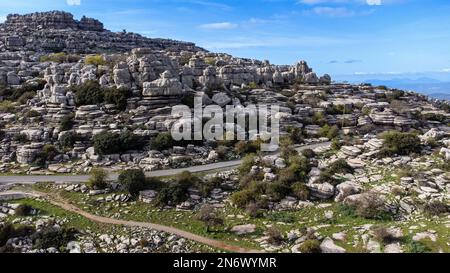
point(113, 143)
point(242, 198)
point(53, 237)
point(417, 247)
point(47, 153)
point(60, 58)
point(67, 122)
point(95, 60)
point(162, 141)
point(67, 141)
point(88, 93)
point(397, 143)
point(339, 166)
point(329, 132)
point(7, 106)
point(308, 153)
point(117, 96)
point(98, 179)
point(301, 191)
point(133, 181)
point(23, 210)
point(310, 246)
point(247, 147)
point(247, 163)
point(277, 191)
point(172, 194)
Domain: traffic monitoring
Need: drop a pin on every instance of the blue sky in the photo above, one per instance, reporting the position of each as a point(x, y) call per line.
point(341, 37)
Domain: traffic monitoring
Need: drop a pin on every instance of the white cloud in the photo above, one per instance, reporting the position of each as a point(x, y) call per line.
point(374, 2)
point(73, 2)
point(219, 26)
point(446, 70)
point(2, 19)
point(317, 2)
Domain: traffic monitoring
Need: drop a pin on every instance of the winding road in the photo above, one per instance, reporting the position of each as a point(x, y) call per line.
point(59, 202)
point(32, 179)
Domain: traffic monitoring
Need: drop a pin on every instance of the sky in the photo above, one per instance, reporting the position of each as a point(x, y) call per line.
point(345, 38)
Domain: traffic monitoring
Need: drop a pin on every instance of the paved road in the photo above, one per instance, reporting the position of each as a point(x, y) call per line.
point(31, 179)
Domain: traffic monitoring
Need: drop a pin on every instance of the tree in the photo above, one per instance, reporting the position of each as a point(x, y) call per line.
point(98, 181)
point(67, 122)
point(162, 141)
point(209, 217)
point(133, 181)
point(88, 93)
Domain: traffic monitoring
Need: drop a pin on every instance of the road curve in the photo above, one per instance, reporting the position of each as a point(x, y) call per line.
point(32, 179)
point(57, 201)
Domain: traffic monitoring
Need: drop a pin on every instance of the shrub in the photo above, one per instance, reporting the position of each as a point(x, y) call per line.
point(21, 138)
point(253, 210)
point(174, 193)
point(117, 96)
point(112, 143)
point(417, 247)
point(26, 96)
point(95, 60)
point(67, 122)
point(329, 132)
point(371, 206)
point(24, 210)
point(247, 147)
point(133, 181)
point(7, 106)
point(98, 179)
point(88, 93)
point(162, 141)
point(53, 237)
point(310, 246)
point(32, 114)
point(60, 58)
point(8, 231)
point(209, 217)
point(247, 163)
point(336, 144)
point(207, 186)
point(382, 235)
point(47, 153)
point(242, 198)
point(435, 208)
point(67, 141)
point(319, 119)
point(296, 135)
point(277, 190)
point(308, 153)
point(397, 143)
point(301, 191)
point(274, 236)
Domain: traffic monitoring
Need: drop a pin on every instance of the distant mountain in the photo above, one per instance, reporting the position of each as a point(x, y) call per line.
point(428, 86)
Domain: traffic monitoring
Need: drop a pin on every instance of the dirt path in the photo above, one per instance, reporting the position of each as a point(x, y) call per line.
point(58, 201)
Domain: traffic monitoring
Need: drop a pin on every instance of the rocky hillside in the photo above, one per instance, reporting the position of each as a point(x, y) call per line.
point(361, 168)
point(57, 31)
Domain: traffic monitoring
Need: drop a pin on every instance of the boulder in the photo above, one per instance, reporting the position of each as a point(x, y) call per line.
point(244, 229)
point(328, 246)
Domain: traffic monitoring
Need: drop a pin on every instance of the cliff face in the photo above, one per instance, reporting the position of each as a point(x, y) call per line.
point(50, 20)
point(58, 31)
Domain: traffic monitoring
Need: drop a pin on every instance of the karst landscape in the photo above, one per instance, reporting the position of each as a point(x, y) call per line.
point(88, 164)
